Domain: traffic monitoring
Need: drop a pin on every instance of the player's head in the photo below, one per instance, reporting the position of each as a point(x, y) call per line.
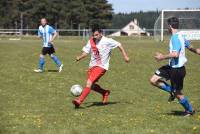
point(43, 21)
point(97, 33)
point(173, 23)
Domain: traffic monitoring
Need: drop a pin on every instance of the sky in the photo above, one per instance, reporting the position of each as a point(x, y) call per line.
point(127, 6)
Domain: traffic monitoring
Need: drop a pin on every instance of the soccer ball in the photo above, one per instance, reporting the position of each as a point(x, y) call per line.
point(76, 90)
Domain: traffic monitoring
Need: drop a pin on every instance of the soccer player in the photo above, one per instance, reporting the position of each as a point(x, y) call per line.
point(175, 70)
point(48, 34)
point(100, 48)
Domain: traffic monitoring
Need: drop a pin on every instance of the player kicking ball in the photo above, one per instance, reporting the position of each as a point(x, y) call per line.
point(175, 70)
point(100, 48)
point(48, 34)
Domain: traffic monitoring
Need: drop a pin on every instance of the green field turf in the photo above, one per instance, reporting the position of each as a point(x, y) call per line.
point(33, 103)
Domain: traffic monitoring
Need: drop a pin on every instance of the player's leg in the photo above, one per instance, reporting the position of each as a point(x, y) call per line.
point(103, 92)
point(177, 82)
point(183, 100)
point(157, 79)
point(84, 94)
point(41, 61)
point(95, 87)
point(93, 75)
point(55, 58)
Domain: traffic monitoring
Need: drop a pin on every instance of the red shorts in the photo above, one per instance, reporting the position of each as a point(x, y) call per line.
point(95, 73)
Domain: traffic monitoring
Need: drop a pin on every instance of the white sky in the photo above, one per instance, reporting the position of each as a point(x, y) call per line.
point(127, 6)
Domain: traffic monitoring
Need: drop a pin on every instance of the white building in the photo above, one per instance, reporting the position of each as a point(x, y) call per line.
point(131, 29)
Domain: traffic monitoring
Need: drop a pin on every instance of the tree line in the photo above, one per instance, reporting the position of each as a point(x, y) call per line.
point(68, 14)
point(60, 13)
point(145, 19)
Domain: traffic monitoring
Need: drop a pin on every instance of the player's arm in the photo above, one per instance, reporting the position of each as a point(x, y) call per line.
point(176, 47)
point(39, 34)
point(54, 34)
point(191, 48)
point(124, 53)
point(81, 56)
point(86, 50)
point(194, 50)
point(53, 37)
point(159, 56)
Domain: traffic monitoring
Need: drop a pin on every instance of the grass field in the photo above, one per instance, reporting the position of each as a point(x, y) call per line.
point(33, 103)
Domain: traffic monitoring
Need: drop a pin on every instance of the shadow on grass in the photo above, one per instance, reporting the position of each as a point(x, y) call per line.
point(52, 71)
point(176, 113)
point(98, 104)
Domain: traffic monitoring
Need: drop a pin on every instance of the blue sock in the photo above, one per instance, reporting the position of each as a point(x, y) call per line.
point(185, 103)
point(166, 87)
point(56, 60)
point(41, 63)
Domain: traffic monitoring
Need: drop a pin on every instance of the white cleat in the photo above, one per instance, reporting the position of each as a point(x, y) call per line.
point(38, 70)
point(60, 68)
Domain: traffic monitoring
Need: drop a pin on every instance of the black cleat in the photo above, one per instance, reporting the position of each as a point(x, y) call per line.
point(187, 114)
point(76, 103)
point(171, 97)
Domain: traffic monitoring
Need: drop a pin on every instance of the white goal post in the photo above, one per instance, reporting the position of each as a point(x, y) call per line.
point(189, 23)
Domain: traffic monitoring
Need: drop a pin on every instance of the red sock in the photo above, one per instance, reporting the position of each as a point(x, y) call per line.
point(98, 89)
point(84, 94)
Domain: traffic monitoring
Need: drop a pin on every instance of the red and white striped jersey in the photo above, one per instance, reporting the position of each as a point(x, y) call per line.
point(100, 51)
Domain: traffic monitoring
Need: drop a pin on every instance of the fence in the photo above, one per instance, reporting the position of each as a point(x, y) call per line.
point(70, 32)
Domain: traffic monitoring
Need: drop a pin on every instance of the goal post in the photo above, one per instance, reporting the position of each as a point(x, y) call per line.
point(189, 23)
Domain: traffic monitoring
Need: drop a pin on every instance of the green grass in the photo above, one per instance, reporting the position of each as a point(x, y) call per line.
point(41, 103)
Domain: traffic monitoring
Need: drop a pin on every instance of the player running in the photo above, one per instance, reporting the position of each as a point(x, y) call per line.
point(100, 48)
point(48, 34)
point(175, 70)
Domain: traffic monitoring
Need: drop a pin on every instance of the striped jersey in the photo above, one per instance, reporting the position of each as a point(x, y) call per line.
point(104, 47)
point(46, 32)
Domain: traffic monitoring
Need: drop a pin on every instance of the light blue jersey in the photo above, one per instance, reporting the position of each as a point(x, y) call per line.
point(46, 34)
point(178, 44)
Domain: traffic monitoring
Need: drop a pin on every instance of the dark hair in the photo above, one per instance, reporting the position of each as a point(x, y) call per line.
point(173, 22)
point(94, 29)
point(43, 18)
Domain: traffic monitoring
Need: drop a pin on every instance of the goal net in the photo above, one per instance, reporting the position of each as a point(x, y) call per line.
point(189, 24)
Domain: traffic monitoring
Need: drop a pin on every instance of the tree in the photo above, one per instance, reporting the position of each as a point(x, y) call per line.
point(145, 19)
point(99, 13)
point(60, 13)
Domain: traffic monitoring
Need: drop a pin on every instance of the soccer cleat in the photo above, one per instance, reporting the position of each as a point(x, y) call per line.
point(38, 70)
point(105, 97)
point(76, 103)
point(60, 68)
point(171, 97)
point(187, 113)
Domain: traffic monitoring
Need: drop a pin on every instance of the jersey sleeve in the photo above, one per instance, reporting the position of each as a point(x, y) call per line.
point(176, 43)
point(39, 33)
point(113, 43)
point(87, 48)
point(187, 43)
point(51, 30)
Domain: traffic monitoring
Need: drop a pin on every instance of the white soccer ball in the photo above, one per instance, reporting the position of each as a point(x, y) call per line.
point(76, 90)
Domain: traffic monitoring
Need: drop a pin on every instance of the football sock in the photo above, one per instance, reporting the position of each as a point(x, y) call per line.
point(186, 105)
point(98, 89)
point(56, 60)
point(84, 94)
point(41, 63)
point(166, 87)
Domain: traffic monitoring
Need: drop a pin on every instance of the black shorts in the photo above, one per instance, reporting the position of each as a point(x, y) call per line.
point(175, 75)
point(48, 50)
